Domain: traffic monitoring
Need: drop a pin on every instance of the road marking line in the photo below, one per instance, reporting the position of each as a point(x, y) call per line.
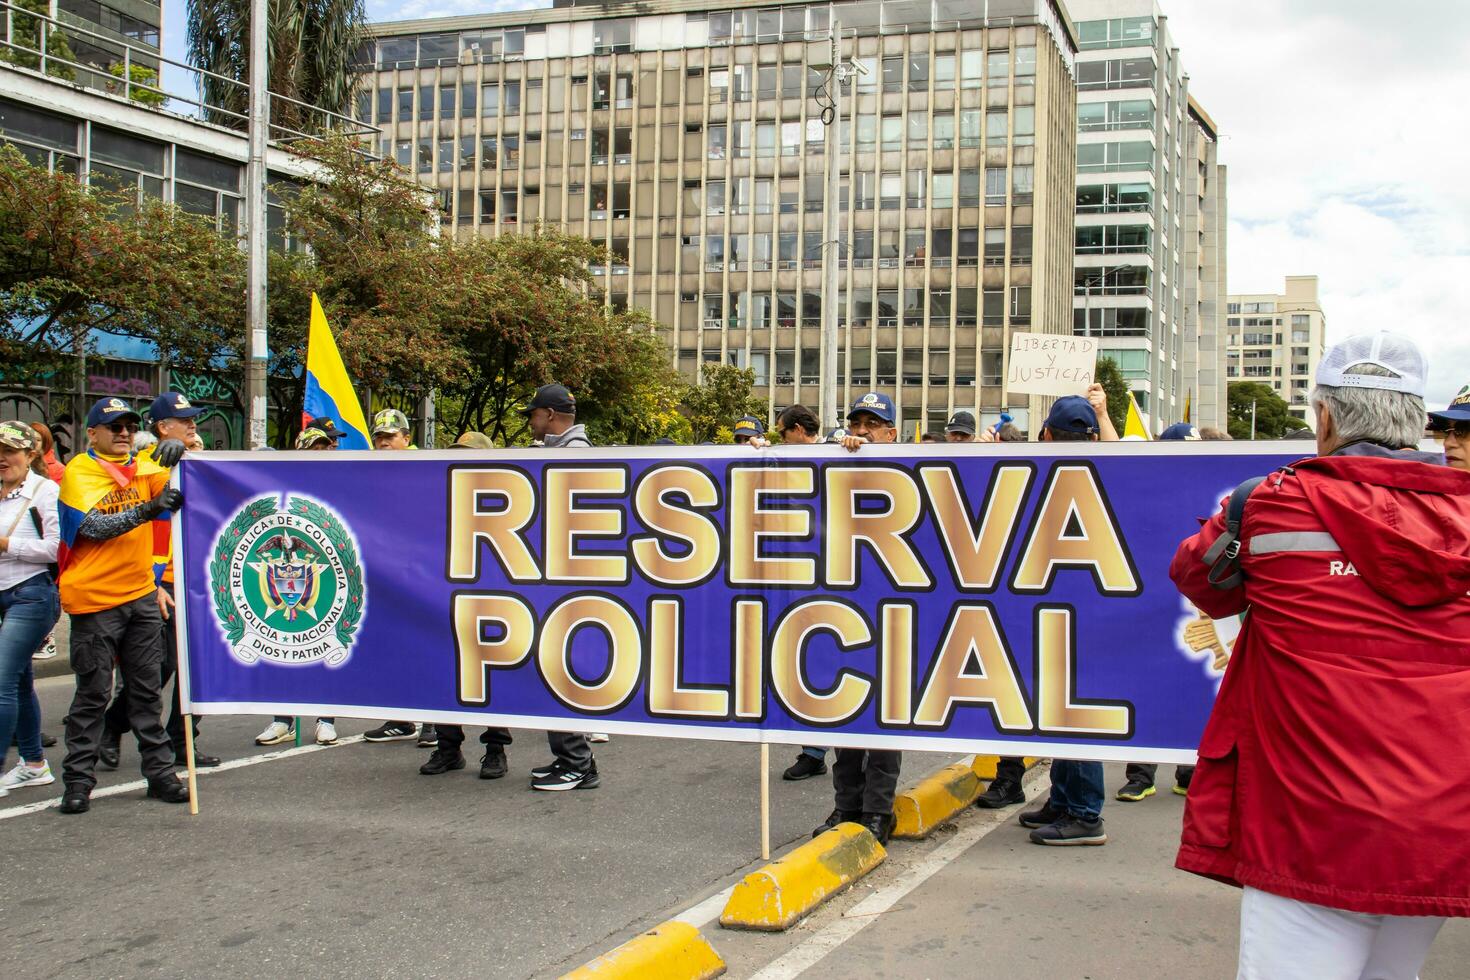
point(137, 784)
point(860, 916)
point(705, 912)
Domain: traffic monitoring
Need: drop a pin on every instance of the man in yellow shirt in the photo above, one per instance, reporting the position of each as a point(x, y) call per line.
point(109, 501)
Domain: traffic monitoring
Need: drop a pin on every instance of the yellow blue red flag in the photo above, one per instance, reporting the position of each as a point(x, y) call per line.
point(329, 390)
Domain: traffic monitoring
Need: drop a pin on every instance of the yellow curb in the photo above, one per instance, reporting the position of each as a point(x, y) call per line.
point(916, 812)
point(671, 951)
point(777, 896)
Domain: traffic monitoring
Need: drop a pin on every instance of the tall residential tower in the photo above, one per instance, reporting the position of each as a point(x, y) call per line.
point(1279, 338)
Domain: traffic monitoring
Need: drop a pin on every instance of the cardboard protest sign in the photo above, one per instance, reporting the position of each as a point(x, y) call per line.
point(1051, 364)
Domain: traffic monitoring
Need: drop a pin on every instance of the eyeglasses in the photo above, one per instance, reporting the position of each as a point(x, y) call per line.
point(119, 428)
point(1460, 430)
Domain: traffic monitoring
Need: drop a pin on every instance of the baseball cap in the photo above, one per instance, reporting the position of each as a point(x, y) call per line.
point(1458, 410)
point(749, 425)
point(555, 397)
point(18, 435)
point(390, 420)
point(109, 410)
point(1181, 430)
point(1072, 413)
point(961, 422)
point(171, 405)
point(879, 406)
point(326, 425)
point(311, 435)
point(1390, 351)
point(473, 440)
point(836, 434)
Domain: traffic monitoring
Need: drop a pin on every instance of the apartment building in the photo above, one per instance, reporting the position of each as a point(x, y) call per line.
point(1279, 338)
point(1151, 214)
point(694, 140)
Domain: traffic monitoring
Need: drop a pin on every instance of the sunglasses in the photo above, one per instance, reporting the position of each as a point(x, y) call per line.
point(1460, 430)
point(119, 428)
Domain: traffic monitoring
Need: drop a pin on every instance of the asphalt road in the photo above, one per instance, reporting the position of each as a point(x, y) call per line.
point(347, 863)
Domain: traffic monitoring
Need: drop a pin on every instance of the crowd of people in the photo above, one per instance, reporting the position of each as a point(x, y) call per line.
point(1341, 709)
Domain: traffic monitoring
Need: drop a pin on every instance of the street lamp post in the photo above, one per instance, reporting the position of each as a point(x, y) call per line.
point(257, 349)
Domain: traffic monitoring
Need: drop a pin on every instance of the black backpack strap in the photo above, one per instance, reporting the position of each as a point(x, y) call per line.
point(1224, 555)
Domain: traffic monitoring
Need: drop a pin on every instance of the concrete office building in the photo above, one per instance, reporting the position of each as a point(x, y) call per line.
point(1279, 338)
point(689, 137)
point(1151, 214)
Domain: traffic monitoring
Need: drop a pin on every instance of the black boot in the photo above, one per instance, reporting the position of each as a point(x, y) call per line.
point(880, 825)
point(169, 789)
point(107, 752)
point(837, 817)
point(442, 761)
point(492, 764)
point(76, 799)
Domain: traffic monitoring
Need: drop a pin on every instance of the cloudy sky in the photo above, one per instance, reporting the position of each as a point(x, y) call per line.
point(1344, 126)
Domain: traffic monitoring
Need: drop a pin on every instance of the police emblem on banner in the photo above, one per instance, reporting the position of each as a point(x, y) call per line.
point(285, 583)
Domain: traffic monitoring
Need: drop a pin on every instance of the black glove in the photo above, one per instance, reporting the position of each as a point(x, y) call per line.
point(168, 453)
point(169, 500)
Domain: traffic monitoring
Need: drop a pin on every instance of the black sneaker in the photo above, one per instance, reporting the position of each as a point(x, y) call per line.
point(428, 737)
point(1135, 790)
point(169, 789)
point(442, 761)
point(541, 772)
point(492, 764)
point(1042, 815)
point(107, 752)
point(880, 825)
point(837, 817)
point(1001, 792)
point(201, 761)
point(1069, 831)
point(392, 731)
point(805, 767)
point(47, 740)
point(76, 799)
point(563, 776)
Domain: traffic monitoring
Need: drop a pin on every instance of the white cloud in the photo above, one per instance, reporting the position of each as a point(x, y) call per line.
point(1345, 141)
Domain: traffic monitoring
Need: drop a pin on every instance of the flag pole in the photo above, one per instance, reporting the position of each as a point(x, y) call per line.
point(193, 772)
point(765, 802)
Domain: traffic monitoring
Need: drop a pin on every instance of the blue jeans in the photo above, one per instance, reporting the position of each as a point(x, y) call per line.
point(27, 613)
point(1077, 788)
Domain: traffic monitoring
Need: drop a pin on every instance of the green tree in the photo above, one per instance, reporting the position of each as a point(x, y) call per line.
point(25, 38)
point(723, 395)
point(314, 50)
point(1110, 376)
point(141, 85)
point(1272, 415)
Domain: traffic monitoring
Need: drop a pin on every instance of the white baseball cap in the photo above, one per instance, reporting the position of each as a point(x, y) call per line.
point(1390, 351)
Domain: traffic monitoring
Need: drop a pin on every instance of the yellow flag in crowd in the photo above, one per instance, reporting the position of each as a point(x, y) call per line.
point(1134, 428)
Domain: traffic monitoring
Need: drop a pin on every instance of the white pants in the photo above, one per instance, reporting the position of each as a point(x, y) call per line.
point(1284, 939)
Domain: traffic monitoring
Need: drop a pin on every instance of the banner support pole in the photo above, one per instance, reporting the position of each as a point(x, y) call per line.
point(765, 801)
point(193, 772)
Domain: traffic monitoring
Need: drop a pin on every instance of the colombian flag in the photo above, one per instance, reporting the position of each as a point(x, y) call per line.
point(109, 573)
point(328, 388)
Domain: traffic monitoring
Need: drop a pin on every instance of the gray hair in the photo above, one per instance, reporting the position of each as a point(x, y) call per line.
point(1392, 418)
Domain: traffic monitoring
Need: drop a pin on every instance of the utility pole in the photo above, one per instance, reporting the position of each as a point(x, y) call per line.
point(1253, 420)
point(838, 72)
point(257, 349)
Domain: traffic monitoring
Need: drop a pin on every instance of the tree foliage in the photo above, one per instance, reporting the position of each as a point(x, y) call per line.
point(1110, 376)
point(314, 46)
point(724, 396)
point(25, 41)
point(1273, 417)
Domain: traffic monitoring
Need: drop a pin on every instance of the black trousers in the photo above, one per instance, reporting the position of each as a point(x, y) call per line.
point(1010, 767)
point(864, 780)
point(452, 736)
point(116, 722)
point(129, 636)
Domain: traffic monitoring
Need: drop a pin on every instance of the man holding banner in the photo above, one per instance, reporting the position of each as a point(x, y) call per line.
point(1334, 774)
point(109, 501)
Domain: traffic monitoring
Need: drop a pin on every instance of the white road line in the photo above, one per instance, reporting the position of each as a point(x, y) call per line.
point(707, 911)
point(864, 913)
point(137, 784)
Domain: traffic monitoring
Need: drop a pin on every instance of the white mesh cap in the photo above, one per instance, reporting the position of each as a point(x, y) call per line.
point(1387, 350)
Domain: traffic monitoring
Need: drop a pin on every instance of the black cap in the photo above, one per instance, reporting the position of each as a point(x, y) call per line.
point(554, 397)
point(961, 422)
point(326, 425)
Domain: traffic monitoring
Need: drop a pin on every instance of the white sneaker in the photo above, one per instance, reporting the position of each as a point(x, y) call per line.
point(47, 651)
point(24, 775)
point(275, 733)
point(326, 733)
point(599, 737)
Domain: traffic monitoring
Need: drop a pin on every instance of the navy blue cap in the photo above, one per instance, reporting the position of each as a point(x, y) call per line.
point(109, 410)
point(326, 425)
point(876, 405)
point(1458, 411)
point(749, 425)
point(171, 405)
point(1181, 431)
point(1072, 413)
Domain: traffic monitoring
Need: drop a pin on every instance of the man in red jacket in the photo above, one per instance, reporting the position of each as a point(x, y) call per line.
point(1334, 773)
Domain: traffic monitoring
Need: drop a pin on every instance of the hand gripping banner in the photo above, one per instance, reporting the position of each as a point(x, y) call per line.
point(1004, 599)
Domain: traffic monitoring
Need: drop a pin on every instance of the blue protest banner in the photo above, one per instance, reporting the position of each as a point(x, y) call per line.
point(1011, 599)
